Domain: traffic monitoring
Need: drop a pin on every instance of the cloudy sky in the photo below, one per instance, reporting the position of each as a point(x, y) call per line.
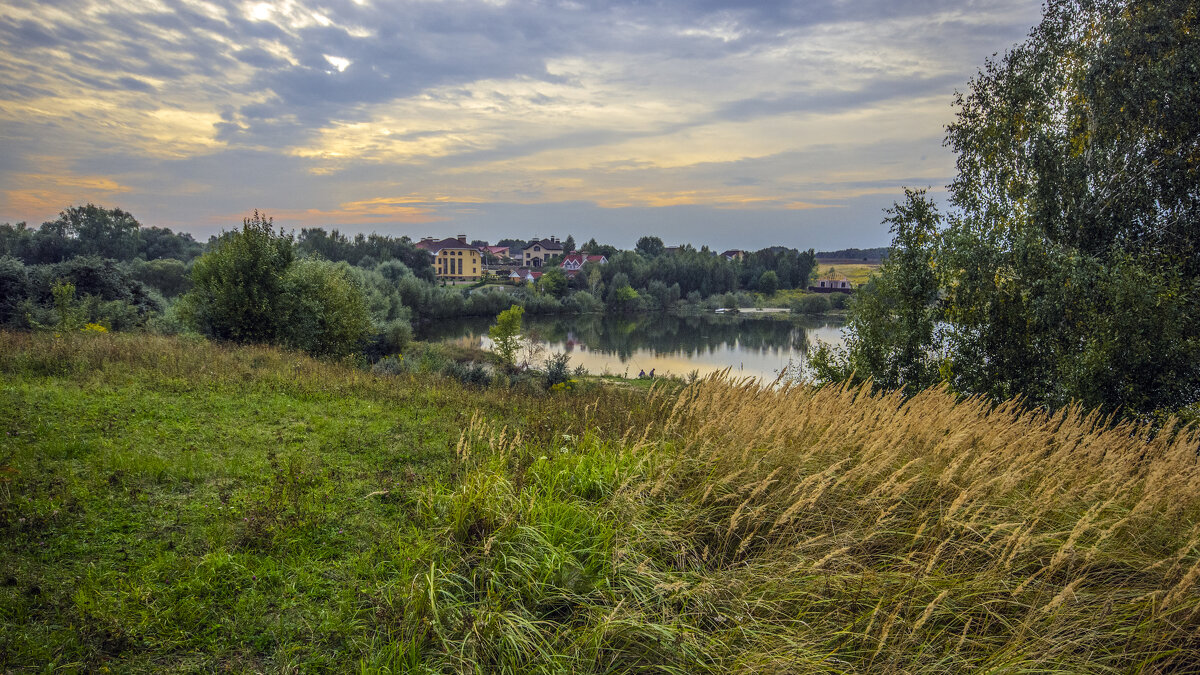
point(733, 124)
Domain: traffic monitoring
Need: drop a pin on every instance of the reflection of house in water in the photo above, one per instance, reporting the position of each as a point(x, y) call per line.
point(573, 342)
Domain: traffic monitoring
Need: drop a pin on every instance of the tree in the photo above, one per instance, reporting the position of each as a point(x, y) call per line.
point(161, 242)
point(1079, 199)
point(167, 275)
point(70, 314)
point(365, 250)
point(650, 247)
point(893, 318)
point(1069, 268)
point(554, 282)
point(238, 285)
point(768, 283)
point(14, 289)
point(251, 288)
point(324, 311)
point(506, 335)
point(108, 233)
point(594, 248)
point(569, 244)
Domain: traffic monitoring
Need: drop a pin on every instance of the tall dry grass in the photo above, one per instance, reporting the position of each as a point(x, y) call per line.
point(931, 532)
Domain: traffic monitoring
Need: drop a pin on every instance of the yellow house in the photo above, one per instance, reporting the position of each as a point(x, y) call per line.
point(454, 259)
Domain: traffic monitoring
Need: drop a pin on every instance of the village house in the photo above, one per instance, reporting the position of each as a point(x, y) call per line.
point(571, 264)
point(454, 259)
point(734, 254)
point(832, 285)
point(498, 251)
point(523, 275)
point(540, 250)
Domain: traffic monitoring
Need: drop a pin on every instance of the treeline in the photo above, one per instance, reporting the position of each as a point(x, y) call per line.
point(95, 231)
point(652, 278)
point(365, 250)
point(864, 254)
point(327, 293)
point(1068, 265)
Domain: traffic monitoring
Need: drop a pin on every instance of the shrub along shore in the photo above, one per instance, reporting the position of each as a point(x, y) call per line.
point(174, 504)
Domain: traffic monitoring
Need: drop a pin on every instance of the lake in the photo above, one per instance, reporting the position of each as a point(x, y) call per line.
point(749, 345)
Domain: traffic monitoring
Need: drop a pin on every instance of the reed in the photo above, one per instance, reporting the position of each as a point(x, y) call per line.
point(1067, 540)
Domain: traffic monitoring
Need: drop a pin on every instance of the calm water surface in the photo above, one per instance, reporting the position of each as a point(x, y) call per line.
point(757, 346)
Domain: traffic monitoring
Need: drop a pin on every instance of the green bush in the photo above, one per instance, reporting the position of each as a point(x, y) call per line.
point(14, 289)
point(251, 288)
point(324, 311)
point(810, 303)
point(473, 373)
point(239, 285)
point(391, 338)
point(838, 300)
point(506, 335)
point(583, 302)
point(391, 365)
point(167, 275)
point(558, 369)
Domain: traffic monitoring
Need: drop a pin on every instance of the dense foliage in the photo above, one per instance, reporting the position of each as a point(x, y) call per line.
point(1069, 267)
point(103, 292)
point(865, 254)
point(251, 288)
point(365, 250)
point(97, 231)
point(664, 279)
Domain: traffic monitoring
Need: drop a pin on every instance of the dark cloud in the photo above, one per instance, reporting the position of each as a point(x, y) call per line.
point(134, 84)
point(258, 58)
point(873, 92)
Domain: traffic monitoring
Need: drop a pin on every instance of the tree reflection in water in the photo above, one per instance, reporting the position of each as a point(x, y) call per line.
point(757, 346)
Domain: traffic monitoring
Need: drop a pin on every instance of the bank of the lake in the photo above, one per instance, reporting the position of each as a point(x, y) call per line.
point(760, 345)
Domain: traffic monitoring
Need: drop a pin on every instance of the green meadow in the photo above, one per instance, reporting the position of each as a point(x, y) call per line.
point(171, 504)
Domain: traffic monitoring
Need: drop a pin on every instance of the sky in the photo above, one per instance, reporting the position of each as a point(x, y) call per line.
point(730, 124)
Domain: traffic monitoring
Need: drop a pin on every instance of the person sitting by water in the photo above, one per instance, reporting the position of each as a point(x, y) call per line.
point(641, 373)
point(652, 373)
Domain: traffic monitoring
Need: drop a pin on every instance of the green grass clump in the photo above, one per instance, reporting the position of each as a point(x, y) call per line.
point(174, 505)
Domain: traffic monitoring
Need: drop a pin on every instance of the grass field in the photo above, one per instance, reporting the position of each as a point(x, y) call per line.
point(172, 505)
point(858, 273)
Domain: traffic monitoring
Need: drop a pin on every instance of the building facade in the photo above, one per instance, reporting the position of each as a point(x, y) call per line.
point(538, 251)
point(454, 259)
point(832, 285)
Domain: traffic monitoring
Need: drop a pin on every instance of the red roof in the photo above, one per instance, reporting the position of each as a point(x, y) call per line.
point(579, 259)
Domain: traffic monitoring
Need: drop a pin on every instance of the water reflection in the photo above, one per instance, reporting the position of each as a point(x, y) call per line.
point(624, 345)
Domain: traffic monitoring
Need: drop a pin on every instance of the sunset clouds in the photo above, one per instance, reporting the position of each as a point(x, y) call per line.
point(727, 123)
